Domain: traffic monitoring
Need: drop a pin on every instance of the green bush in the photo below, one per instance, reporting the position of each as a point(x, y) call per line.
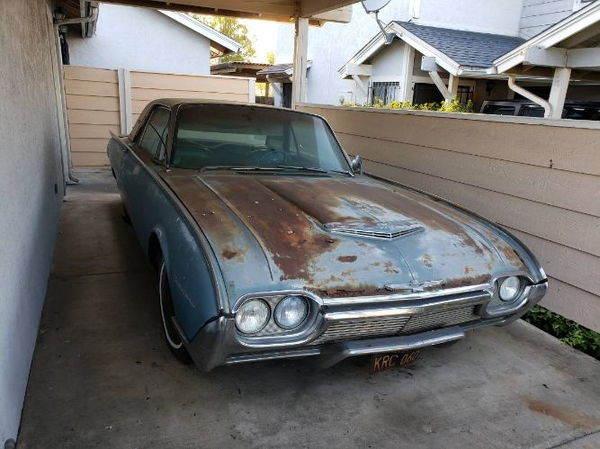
point(454, 106)
point(567, 331)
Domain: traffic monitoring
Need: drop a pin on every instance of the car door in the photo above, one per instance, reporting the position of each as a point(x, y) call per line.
point(149, 148)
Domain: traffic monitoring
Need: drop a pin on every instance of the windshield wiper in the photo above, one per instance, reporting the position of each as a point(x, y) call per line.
point(314, 169)
point(244, 168)
point(300, 168)
point(240, 168)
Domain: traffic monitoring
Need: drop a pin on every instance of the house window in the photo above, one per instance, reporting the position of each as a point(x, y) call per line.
point(384, 91)
point(464, 94)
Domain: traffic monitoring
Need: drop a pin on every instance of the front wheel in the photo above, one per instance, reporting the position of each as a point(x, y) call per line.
point(167, 311)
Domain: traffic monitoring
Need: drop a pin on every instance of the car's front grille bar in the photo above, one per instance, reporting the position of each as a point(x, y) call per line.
point(401, 319)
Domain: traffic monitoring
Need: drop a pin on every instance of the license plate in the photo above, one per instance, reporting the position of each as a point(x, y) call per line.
point(382, 362)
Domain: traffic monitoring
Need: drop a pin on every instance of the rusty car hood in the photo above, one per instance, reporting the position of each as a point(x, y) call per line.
point(337, 235)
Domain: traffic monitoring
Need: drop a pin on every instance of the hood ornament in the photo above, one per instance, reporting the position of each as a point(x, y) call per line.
point(413, 286)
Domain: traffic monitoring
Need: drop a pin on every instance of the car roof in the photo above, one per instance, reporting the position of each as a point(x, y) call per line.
point(172, 102)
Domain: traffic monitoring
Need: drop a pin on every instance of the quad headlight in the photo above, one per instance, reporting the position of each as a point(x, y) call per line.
point(252, 316)
point(509, 288)
point(291, 312)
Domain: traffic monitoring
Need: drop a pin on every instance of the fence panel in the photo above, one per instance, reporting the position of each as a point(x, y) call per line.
point(101, 100)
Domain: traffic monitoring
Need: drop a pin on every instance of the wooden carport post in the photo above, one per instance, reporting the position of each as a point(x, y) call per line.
point(300, 61)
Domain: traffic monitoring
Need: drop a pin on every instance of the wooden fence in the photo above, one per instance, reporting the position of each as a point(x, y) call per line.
point(539, 179)
point(101, 100)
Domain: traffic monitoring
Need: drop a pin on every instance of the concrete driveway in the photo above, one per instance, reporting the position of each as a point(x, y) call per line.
point(102, 376)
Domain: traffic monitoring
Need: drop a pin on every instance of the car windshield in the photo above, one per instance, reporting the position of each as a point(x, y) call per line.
point(230, 136)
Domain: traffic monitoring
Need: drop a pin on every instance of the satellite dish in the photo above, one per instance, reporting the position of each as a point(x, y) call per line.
point(374, 6)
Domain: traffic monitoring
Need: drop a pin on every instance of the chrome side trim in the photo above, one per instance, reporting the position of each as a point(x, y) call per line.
point(406, 296)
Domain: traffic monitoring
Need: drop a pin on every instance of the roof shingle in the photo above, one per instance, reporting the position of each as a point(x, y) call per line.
point(467, 48)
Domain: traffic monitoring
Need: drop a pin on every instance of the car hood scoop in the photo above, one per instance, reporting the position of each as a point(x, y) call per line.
point(383, 230)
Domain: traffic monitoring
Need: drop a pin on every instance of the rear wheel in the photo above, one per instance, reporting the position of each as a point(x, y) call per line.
point(172, 337)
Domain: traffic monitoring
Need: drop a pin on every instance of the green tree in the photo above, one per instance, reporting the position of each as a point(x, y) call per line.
point(232, 28)
point(271, 57)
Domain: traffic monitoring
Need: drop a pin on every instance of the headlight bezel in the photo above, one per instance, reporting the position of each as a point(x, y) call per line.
point(499, 307)
point(272, 335)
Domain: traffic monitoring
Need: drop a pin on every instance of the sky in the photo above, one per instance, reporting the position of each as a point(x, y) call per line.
point(263, 35)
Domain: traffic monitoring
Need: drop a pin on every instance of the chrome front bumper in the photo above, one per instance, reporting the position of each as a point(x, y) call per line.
point(216, 344)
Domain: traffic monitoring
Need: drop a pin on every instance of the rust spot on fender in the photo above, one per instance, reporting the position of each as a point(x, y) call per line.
point(390, 268)
point(467, 280)
point(347, 259)
point(229, 254)
point(469, 270)
point(566, 415)
point(427, 260)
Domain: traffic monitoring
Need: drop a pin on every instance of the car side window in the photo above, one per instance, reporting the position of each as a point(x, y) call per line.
point(154, 137)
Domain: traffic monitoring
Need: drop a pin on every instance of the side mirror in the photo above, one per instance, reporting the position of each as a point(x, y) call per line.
point(356, 165)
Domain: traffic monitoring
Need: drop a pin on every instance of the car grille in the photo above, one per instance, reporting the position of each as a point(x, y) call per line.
point(440, 319)
point(355, 329)
point(390, 326)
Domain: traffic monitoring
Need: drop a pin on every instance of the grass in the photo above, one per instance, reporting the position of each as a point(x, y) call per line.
point(567, 331)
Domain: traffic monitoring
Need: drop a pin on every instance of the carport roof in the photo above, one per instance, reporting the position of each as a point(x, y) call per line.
point(281, 10)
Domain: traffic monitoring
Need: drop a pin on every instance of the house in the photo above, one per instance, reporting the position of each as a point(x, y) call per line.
point(394, 72)
point(279, 76)
point(433, 64)
point(437, 28)
point(177, 42)
point(247, 70)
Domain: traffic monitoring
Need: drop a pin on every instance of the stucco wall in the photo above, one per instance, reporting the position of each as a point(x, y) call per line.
point(486, 16)
point(140, 39)
point(30, 171)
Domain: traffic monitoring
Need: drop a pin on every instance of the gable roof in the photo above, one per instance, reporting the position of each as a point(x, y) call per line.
point(218, 41)
point(578, 29)
point(467, 48)
point(280, 70)
point(457, 51)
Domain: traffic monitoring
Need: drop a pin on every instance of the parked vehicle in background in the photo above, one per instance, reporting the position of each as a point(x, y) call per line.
point(269, 243)
point(574, 110)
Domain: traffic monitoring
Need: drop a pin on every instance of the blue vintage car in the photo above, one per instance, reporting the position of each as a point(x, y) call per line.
point(270, 243)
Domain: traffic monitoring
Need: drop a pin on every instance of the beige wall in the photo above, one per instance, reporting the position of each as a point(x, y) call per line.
point(94, 102)
point(539, 179)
